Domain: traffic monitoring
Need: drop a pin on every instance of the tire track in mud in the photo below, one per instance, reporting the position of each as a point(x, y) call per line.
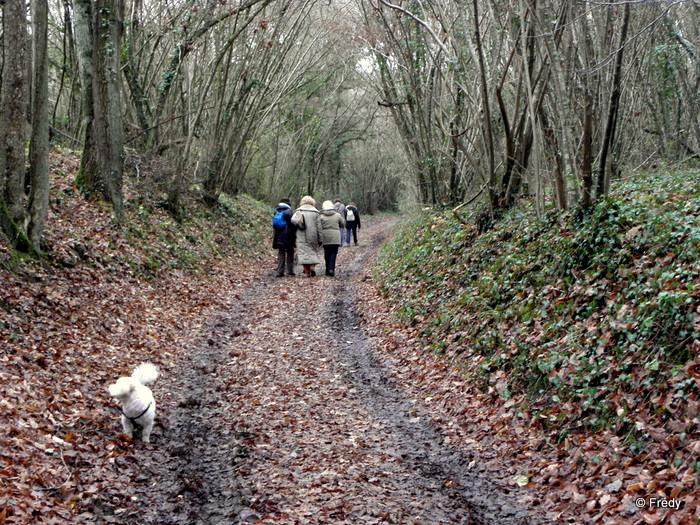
point(418, 441)
point(188, 476)
point(339, 440)
point(281, 413)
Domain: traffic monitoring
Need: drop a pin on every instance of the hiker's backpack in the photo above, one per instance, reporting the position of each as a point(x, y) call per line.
point(350, 215)
point(278, 219)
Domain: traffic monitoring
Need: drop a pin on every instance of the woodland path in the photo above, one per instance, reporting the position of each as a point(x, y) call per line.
point(283, 412)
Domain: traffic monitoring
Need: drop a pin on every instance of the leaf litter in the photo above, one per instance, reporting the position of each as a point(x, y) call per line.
point(272, 408)
point(280, 401)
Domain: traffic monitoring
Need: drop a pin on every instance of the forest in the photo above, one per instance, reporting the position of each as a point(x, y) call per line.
point(420, 102)
point(543, 155)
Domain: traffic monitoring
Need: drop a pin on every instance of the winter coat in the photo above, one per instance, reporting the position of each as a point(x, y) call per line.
point(356, 222)
point(340, 208)
point(284, 237)
point(331, 222)
point(309, 239)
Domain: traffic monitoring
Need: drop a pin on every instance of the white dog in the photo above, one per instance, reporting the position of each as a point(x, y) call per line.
point(138, 405)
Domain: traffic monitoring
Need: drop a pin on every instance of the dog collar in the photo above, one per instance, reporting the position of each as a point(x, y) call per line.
point(133, 419)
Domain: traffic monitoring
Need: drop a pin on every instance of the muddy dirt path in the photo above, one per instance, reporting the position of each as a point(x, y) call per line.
point(282, 413)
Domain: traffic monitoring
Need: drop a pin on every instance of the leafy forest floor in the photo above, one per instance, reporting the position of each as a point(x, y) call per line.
point(289, 400)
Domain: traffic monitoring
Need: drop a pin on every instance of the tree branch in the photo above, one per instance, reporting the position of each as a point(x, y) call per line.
point(420, 22)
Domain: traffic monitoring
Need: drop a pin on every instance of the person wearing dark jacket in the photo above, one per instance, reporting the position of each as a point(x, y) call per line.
point(352, 222)
point(331, 222)
point(284, 239)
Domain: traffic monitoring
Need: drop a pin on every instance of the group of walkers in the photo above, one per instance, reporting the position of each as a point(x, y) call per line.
point(308, 229)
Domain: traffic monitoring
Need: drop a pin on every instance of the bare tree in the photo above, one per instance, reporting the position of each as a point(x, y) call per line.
point(603, 186)
point(14, 98)
point(87, 178)
point(39, 140)
point(531, 97)
point(547, 79)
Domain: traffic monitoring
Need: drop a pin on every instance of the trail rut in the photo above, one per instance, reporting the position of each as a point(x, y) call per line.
point(282, 413)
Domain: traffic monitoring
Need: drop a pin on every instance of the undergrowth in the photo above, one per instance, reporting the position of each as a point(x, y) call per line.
point(590, 316)
point(150, 241)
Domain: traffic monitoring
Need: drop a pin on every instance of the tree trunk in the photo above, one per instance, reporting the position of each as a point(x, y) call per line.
point(108, 128)
point(86, 179)
point(559, 180)
point(99, 34)
point(138, 94)
point(603, 177)
point(586, 168)
point(13, 122)
point(486, 106)
point(39, 145)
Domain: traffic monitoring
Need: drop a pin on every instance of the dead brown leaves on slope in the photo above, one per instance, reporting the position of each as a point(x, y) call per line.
point(69, 328)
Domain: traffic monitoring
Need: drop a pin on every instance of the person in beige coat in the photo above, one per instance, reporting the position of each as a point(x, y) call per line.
point(332, 224)
point(307, 220)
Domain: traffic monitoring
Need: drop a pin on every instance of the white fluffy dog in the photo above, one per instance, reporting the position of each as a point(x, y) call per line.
point(138, 405)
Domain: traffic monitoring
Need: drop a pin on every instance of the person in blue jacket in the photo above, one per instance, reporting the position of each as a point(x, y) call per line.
point(284, 239)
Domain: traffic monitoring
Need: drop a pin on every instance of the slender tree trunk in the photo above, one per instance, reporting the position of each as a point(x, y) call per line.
point(526, 131)
point(486, 106)
point(13, 121)
point(586, 168)
point(39, 145)
point(558, 55)
point(554, 151)
point(138, 95)
point(65, 47)
point(603, 176)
